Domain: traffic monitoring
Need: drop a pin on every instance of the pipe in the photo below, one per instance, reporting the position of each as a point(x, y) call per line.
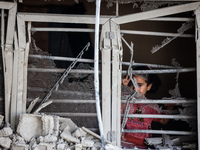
point(96, 72)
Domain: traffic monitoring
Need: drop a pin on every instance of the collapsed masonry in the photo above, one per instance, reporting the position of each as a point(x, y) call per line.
point(45, 132)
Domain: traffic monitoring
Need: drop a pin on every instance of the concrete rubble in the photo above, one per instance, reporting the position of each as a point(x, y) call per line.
point(46, 132)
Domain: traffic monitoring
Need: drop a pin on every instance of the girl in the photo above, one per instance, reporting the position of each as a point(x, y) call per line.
point(145, 83)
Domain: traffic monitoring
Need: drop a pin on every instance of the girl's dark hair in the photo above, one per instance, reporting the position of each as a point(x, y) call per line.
point(151, 78)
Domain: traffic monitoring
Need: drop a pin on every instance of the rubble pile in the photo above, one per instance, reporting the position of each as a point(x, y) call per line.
point(45, 132)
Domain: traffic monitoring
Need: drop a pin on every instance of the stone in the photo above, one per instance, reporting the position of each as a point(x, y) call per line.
point(19, 147)
point(61, 146)
point(48, 138)
point(44, 146)
point(79, 133)
point(64, 122)
point(5, 142)
point(6, 131)
point(66, 135)
point(78, 147)
point(87, 143)
point(18, 139)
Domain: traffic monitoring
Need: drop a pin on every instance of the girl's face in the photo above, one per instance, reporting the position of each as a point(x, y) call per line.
point(142, 86)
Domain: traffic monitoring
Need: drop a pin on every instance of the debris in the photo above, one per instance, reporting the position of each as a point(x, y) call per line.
point(19, 147)
point(112, 147)
point(32, 104)
point(64, 122)
point(44, 146)
point(66, 135)
point(87, 143)
point(79, 133)
point(7, 131)
point(5, 142)
point(46, 132)
point(34, 125)
point(167, 40)
point(153, 141)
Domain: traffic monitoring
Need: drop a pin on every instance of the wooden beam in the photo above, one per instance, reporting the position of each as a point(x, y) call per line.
point(105, 47)
point(8, 55)
point(7, 5)
point(156, 13)
point(61, 18)
point(116, 82)
point(13, 115)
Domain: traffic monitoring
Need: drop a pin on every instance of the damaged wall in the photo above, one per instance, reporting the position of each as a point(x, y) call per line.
point(83, 114)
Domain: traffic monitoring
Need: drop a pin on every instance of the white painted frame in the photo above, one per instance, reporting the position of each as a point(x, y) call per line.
point(164, 12)
point(22, 19)
point(7, 53)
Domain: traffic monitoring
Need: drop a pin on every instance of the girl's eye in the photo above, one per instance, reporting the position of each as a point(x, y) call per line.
point(139, 84)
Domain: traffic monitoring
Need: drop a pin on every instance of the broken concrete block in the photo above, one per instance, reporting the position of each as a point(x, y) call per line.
point(87, 143)
point(62, 146)
point(56, 125)
point(18, 139)
point(64, 122)
point(66, 135)
point(5, 142)
point(79, 133)
point(31, 125)
point(112, 147)
point(48, 139)
point(78, 147)
point(47, 124)
point(7, 131)
point(19, 147)
point(44, 146)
